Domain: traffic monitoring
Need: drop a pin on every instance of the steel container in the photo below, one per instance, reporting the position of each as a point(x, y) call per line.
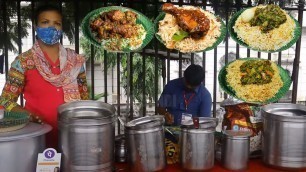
point(145, 141)
point(235, 150)
point(284, 135)
point(87, 133)
point(19, 149)
point(197, 144)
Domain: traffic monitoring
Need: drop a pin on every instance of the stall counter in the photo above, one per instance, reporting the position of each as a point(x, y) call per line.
point(255, 165)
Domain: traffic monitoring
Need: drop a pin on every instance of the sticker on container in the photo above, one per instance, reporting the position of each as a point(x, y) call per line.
point(186, 117)
point(49, 161)
point(235, 127)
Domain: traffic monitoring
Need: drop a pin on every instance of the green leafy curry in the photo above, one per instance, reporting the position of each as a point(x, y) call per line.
point(268, 18)
point(256, 72)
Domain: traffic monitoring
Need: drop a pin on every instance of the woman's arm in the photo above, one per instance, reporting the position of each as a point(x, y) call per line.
point(13, 88)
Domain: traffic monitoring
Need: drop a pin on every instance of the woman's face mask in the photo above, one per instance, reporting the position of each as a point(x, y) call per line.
point(49, 35)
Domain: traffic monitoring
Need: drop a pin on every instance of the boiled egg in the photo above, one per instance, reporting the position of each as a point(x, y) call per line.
point(247, 15)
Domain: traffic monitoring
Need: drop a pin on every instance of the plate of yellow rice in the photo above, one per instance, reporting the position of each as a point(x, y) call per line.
point(262, 29)
point(261, 84)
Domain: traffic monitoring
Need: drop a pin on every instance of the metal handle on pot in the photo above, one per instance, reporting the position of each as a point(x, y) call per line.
point(196, 122)
point(121, 121)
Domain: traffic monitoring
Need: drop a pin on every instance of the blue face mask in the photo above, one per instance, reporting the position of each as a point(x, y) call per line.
point(49, 35)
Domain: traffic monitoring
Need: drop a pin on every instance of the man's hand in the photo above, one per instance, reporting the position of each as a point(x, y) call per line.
point(169, 118)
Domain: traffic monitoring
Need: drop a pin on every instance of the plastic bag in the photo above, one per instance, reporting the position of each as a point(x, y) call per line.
point(244, 116)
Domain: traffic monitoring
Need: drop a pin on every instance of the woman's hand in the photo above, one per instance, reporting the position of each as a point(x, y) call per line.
point(36, 119)
point(33, 117)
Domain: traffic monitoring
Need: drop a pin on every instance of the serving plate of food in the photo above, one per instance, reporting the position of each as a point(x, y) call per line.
point(265, 28)
point(13, 121)
point(254, 80)
point(118, 29)
point(188, 29)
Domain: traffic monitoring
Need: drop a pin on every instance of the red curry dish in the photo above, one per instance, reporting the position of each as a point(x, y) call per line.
point(117, 30)
point(115, 24)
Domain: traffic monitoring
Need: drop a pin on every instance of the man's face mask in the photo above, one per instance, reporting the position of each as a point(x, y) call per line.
point(49, 35)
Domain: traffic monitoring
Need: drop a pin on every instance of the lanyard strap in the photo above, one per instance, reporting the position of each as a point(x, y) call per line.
point(187, 101)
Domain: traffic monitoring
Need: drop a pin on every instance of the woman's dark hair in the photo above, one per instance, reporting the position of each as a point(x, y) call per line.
point(194, 75)
point(44, 8)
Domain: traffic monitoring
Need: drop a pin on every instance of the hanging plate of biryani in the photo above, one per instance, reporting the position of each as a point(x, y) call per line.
point(265, 28)
point(254, 80)
point(118, 29)
point(188, 29)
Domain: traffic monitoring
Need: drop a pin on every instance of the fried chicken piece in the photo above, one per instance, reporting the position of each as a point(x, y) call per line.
point(115, 24)
point(130, 16)
point(126, 31)
point(192, 21)
point(102, 34)
point(96, 23)
point(116, 15)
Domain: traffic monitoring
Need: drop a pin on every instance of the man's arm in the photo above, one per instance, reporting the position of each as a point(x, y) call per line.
point(162, 106)
point(205, 107)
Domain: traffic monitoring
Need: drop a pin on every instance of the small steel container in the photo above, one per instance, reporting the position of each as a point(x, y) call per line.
point(146, 144)
point(197, 144)
point(235, 149)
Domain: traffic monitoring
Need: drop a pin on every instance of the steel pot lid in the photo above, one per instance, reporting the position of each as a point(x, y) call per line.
point(237, 134)
point(29, 131)
point(285, 112)
point(146, 122)
point(204, 123)
point(86, 112)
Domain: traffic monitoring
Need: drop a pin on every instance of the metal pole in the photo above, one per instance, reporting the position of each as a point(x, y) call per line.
point(295, 73)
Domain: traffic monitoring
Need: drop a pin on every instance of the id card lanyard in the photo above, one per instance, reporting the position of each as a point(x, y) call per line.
point(187, 101)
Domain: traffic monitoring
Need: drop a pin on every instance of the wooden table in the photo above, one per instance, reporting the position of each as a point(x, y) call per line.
point(255, 165)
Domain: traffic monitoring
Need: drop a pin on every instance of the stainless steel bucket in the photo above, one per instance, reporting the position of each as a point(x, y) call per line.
point(284, 135)
point(145, 141)
point(197, 144)
point(19, 149)
point(87, 133)
point(235, 150)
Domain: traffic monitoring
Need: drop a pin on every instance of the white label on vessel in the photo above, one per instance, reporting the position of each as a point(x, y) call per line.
point(48, 161)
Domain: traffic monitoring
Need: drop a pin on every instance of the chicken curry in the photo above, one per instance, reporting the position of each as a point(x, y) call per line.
point(268, 18)
point(256, 72)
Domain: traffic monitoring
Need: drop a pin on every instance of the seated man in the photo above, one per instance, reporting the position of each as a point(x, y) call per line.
point(185, 95)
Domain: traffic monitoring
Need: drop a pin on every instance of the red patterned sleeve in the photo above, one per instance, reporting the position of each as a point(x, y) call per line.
point(14, 85)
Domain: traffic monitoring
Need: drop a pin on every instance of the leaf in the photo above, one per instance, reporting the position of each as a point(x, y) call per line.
point(179, 35)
